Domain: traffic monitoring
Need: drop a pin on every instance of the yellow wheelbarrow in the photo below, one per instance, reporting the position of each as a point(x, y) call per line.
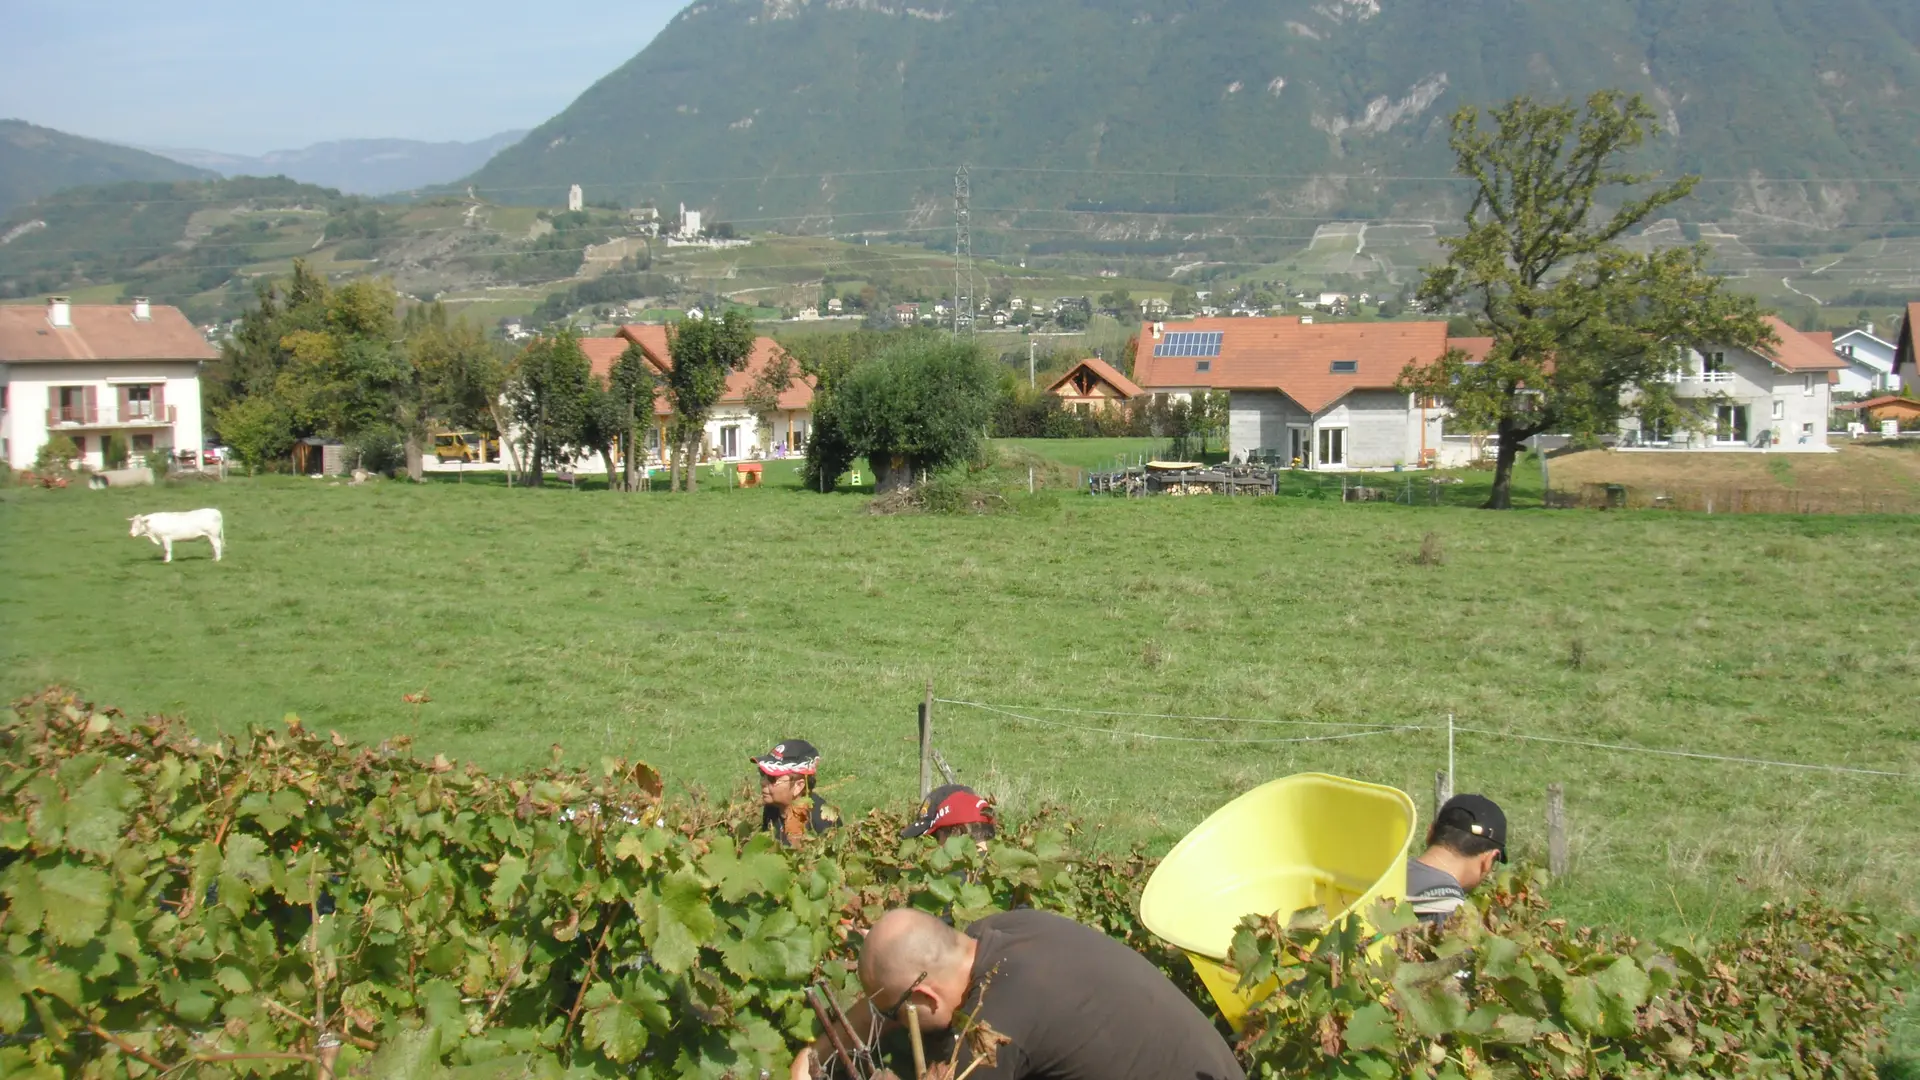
point(1303, 841)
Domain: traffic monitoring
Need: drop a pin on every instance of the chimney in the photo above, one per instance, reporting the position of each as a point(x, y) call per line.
point(1869, 327)
point(1158, 329)
point(142, 309)
point(59, 311)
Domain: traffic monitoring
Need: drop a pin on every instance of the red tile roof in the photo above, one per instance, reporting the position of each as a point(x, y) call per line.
point(1476, 348)
point(1106, 373)
point(1874, 403)
point(1801, 352)
point(1294, 358)
point(99, 332)
point(602, 353)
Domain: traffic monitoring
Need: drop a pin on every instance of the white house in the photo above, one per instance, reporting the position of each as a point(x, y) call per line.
point(733, 432)
point(1321, 395)
point(1779, 398)
point(1870, 363)
point(90, 371)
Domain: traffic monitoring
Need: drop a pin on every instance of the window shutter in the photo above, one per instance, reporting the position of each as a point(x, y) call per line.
point(120, 403)
point(92, 403)
point(159, 402)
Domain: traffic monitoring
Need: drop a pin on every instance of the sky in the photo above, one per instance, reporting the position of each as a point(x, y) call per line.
point(249, 77)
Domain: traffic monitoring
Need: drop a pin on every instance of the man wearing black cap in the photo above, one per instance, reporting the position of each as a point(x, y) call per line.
point(1468, 836)
point(950, 809)
point(788, 807)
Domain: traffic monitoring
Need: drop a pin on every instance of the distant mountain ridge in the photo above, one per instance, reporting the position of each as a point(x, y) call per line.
point(1148, 116)
point(37, 161)
point(358, 166)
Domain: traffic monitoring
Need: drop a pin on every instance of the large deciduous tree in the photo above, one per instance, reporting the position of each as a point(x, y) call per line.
point(828, 359)
point(704, 351)
point(548, 394)
point(919, 407)
point(1580, 324)
point(455, 378)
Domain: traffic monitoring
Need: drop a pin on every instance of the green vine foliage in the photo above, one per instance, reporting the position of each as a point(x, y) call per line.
point(263, 904)
point(1796, 991)
point(225, 904)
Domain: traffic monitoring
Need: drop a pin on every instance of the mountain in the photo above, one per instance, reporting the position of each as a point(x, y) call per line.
point(359, 166)
point(36, 161)
point(1130, 120)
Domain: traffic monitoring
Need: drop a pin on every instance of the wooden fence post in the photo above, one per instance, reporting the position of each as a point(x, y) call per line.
point(1442, 791)
point(1556, 830)
point(946, 770)
point(926, 742)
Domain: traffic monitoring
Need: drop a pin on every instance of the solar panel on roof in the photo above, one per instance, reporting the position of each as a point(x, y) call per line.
point(1189, 343)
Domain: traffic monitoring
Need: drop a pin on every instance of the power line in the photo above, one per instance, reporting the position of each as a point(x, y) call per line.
point(1623, 747)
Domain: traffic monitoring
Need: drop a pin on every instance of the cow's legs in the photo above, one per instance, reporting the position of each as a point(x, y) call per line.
point(217, 546)
point(167, 545)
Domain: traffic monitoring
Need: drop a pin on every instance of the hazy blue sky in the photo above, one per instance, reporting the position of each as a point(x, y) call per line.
point(248, 76)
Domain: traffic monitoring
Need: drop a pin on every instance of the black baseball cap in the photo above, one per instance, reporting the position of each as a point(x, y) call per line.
point(949, 805)
point(1478, 816)
point(789, 757)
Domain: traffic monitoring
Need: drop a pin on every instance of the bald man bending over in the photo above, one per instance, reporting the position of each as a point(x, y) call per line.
point(1075, 1004)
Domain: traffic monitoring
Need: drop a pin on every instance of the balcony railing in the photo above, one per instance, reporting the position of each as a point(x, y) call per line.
point(134, 414)
point(1701, 377)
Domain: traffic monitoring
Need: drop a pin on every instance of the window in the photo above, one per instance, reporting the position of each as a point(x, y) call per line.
point(72, 407)
point(1806, 429)
point(1300, 445)
point(1346, 367)
point(799, 436)
point(1714, 362)
point(1730, 424)
point(139, 403)
point(142, 444)
point(79, 446)
point(1332, 446)
point(730, 441)
point(1779, 409)
point(1203, 365)
point(1806, 385)
point(1846, 350)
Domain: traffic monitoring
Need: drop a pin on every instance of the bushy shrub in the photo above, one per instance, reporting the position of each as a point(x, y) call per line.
point(114, 452)
point(56, 454)
point(378, 450)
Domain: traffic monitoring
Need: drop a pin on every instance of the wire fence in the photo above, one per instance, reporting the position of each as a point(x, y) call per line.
point(1452, 730)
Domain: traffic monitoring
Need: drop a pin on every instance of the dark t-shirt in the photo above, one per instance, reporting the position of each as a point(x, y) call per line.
point(1079, 1005)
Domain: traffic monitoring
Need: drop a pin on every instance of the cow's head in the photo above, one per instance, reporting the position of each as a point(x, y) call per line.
point(139, 525)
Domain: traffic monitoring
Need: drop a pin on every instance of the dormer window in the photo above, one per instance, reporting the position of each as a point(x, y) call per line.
point(1346, 367)
point(1203, 365)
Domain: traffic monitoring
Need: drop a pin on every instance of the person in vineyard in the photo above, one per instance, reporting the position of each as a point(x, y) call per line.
point(1467, 837)
point(951, 809)
point(1029, 994)
point(789, 809)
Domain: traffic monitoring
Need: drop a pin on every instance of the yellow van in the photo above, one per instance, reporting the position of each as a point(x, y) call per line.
point(472, 447)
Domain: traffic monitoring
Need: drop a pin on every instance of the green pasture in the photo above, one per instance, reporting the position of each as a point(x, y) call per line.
point(691, 631)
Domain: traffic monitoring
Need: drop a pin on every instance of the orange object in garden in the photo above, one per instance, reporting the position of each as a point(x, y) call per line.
point(749, 473)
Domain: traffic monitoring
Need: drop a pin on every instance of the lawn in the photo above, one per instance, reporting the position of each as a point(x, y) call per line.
point(690, 631)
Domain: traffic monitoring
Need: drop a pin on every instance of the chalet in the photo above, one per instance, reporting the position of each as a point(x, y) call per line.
point(1319, 395)
point(1774, 398)
point(733, 433)
point(906, 314)
point(95, 371)
point(1092, 385)
point(1870, 363)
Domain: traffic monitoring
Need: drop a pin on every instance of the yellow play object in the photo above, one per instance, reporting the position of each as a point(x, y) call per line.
point(1308, 840)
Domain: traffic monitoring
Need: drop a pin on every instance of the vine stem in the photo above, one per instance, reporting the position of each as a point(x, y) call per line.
point(580, 999)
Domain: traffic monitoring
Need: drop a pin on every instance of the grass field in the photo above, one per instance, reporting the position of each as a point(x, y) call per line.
point(689, 631)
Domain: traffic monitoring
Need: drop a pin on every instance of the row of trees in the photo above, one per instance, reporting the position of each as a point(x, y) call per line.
point(313, 359)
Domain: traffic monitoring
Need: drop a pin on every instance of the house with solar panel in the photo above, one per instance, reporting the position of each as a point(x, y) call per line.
point(1319, 395)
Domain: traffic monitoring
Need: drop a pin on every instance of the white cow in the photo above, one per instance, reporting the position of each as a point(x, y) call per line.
point(164, 529)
